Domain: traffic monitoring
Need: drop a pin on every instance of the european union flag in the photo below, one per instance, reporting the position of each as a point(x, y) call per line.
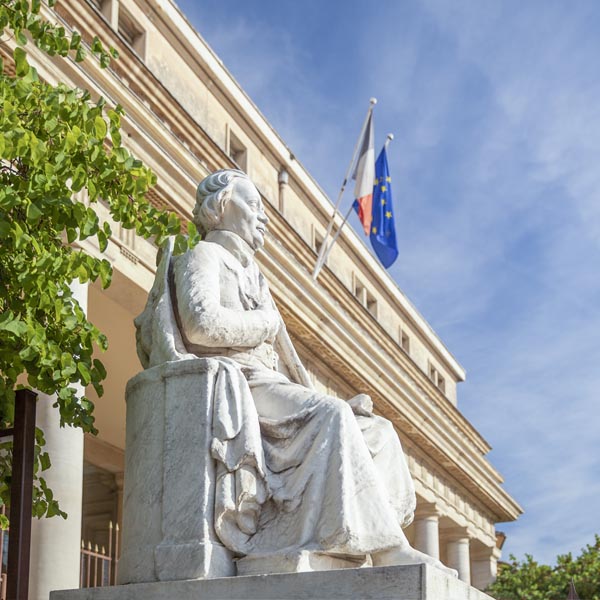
point(383, 231)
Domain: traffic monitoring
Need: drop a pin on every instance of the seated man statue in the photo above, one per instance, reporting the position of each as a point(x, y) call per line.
point(297, 470)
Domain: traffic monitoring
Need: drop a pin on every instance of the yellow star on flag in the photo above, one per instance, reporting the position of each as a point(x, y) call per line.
point(383, 202)
point(383, 188)
point(388, 215)
point(388, 179)
point(374, 230)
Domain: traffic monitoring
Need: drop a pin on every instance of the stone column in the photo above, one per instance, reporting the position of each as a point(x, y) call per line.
point(56, 542)
point(484, 566)
point(426, 526)
point(458, 552)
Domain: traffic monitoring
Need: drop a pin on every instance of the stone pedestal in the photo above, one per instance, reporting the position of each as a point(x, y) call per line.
point(170, 476)
point(409, 582)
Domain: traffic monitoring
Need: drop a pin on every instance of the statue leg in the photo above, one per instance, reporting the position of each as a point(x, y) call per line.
point(391, 466)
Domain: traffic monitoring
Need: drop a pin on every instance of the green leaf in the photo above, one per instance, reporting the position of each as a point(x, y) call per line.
point(21, 64)
point(33, 213)
point(44, 459)
point(15, 326)
point(100, 128)
point(75, 40)
point(84, 372)
point(180, 245)
point(100, 368)
point(105, 273)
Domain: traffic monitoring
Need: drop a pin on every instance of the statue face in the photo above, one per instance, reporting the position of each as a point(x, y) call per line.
point(244, 214)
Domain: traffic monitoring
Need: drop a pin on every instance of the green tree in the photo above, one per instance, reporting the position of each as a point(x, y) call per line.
point(60, 153)
point(529, 580)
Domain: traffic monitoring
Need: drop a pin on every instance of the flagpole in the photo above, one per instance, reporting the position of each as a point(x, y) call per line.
point(320, 260)
point(390, 137)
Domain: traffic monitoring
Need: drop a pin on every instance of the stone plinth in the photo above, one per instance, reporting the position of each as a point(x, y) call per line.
point(170, 476)
point(409, 582)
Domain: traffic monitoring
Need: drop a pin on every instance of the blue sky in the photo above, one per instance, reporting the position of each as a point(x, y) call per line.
point(495, 108)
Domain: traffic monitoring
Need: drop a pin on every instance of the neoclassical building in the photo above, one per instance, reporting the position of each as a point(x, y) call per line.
point(354, 329)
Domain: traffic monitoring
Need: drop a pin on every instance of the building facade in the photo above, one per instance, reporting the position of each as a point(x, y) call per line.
point(185, 117)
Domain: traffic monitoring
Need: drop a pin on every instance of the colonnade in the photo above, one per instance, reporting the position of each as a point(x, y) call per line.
point(476, 564)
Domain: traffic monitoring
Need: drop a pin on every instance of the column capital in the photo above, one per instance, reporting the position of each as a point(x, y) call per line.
point(455, 534)
point(427, 510)
point(486, 553)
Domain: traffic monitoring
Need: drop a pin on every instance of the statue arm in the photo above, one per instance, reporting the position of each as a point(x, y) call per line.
point(203, 320)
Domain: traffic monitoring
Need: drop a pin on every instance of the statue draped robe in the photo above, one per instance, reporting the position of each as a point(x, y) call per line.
point(296, 468)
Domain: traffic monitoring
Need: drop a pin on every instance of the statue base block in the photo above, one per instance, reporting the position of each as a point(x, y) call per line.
point(408, 582)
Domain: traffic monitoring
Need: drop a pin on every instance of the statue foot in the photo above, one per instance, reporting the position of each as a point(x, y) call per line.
point(408, 556)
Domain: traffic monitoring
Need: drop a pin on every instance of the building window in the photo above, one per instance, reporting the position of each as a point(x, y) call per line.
point(131, 32)
point(360, 291)
point(362, 294)
point(109, 9)
point(404, 341)
point(238, 152)
point(437, 379)
point(317, 240)
point(441, 383)
point(371, 304)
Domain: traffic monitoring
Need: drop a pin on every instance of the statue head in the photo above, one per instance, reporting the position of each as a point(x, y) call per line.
point(227, 200)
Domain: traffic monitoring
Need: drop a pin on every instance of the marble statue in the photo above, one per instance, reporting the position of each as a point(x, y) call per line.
point(296, 469)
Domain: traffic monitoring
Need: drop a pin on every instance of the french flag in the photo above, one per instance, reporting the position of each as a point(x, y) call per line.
point(364, 174)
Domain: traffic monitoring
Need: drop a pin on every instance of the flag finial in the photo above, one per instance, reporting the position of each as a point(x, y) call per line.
point(373, 101)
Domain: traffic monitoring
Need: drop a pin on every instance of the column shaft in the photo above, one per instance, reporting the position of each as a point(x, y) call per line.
point(458, 558)
point(427, 535)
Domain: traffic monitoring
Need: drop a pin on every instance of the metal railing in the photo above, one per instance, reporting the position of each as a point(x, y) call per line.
point(100, 568)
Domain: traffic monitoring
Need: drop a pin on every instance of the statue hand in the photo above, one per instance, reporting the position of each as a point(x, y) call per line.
point(272, 324)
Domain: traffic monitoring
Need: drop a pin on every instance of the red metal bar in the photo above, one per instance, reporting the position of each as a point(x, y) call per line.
point(116, 553)
point(89, 558)
point(21, 496)
point(95, 571)
point(110, 537)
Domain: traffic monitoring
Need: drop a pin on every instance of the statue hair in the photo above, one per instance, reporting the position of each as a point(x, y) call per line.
point(212, 195)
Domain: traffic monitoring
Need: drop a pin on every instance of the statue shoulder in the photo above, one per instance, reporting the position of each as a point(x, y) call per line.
point(202, 251)
point(203, 256)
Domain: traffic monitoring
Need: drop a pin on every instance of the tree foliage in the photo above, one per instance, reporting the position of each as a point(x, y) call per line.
point(60, 153)
point(529, 580)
